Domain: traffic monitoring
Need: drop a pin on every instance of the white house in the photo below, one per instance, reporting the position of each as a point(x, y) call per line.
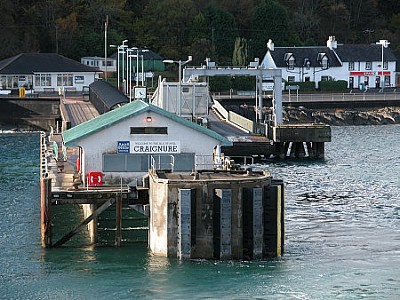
point(360, 65)
point(100, 63)
point(126, 142)
point(45, 72)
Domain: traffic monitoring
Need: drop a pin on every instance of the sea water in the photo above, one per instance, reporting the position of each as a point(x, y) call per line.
point(342, 235)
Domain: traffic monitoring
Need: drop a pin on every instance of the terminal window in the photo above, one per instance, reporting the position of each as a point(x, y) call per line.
point(149, 130)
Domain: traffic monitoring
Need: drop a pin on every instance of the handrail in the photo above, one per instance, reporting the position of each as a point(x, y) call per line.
point(154, 165)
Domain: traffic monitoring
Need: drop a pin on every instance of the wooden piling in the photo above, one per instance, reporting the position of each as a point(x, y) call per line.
point(118, 209)
point(45, 212)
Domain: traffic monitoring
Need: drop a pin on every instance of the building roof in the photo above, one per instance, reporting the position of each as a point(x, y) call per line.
point(137, 107)
point(107, 96)
point(364, 52)
point(301, 54)
point(30, 63)
point(346, 53)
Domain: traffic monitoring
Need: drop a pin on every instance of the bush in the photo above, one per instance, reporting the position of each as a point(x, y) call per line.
point(308, 86)
point(333, 86)
point(219, 83)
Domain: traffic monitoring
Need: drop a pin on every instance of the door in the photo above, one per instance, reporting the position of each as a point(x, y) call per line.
point(351, 82)
point(377, 82)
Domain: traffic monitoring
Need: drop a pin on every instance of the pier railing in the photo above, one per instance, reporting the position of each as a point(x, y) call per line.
point(43, 157)
point(162, 162)
point(338, 97)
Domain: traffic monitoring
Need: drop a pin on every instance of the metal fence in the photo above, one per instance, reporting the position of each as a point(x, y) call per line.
point(337, 97)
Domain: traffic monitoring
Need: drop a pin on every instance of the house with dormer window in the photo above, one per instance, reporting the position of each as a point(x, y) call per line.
point(359, 65)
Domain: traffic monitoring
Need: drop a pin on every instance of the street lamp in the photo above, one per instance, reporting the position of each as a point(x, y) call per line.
point(123, 58)
point(138, 51)
point(180, 64)
point(385, 44)
point(120, 50)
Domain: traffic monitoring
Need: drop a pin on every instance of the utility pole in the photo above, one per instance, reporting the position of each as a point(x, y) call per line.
point(105, 46)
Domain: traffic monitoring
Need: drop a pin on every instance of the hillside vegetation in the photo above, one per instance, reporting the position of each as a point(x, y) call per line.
point(227, 31)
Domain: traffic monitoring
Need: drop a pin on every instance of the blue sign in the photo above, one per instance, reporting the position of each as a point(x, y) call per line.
point(123, 146)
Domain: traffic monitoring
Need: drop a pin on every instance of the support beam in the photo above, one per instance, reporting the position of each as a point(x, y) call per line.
point(118, 221)
point(74, 231)
point(45, 212)
point(186, 197)
point(223, 224)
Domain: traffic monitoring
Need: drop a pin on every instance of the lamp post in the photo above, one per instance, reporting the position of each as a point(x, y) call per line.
point(123, 58)
point(180, 64)
point(138, 51)
point(128, 83)
point(385, 44)
point(120, 50)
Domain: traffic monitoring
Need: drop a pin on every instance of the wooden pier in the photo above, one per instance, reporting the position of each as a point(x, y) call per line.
point(210, 214)
point(223, 212)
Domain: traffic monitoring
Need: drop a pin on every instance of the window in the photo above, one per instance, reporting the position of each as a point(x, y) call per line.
point(291, 79)
point(149, 130)
point(325, 78)
point(65, 79)
point(368, 65)
point(387, 80)
point(289, 59)
point(9, 81)
point(43, 80)
point(351, 66)
point(323, 60)
point(291, 63)
point(324, 63)
point(385, 65)
point(307, 63)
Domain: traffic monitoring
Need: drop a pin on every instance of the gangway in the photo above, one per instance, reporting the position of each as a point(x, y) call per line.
point(190, 73)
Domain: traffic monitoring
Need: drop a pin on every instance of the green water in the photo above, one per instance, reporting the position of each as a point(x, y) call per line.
point(342, 235)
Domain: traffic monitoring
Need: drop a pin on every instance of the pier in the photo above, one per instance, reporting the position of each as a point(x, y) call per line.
point(214, 214)
point(196, 197)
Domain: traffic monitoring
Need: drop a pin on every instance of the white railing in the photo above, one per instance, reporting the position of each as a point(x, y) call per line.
point(160, 165)
point(337, 97)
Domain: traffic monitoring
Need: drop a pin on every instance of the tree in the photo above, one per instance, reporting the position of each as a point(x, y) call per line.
point(223, 32)
point(270, 21)
point(242, 11)
point(165, 27)
point(240, 52)
point(334, 20)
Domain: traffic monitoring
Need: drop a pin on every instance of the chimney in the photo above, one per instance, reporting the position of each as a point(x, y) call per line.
point(270, 45)
point(332, 42)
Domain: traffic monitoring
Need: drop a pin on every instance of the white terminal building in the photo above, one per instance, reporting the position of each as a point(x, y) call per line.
point(127, 141)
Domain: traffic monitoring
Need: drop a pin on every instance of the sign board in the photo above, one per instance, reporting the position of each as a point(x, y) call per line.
point(79, 79)
point(292, 87)
point(153, 147)
point(123, 146)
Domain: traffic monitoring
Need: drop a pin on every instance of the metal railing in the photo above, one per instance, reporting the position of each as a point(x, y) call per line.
point(161, 165)
point(44, 171)
point(337, 97)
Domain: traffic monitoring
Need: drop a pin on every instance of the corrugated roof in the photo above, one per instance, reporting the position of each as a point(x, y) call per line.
point(364, 52)
point(29, 63)
point(302, 53)
point(71, 136)
point(109, 95)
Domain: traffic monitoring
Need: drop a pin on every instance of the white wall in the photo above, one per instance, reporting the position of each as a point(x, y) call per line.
point(105, 141)
point(88, 78)
point(337, 73)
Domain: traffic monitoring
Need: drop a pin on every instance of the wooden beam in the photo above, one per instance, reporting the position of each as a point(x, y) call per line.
point(118, 225)
point(45, 212)
point(74, 231)
point(56, 201)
